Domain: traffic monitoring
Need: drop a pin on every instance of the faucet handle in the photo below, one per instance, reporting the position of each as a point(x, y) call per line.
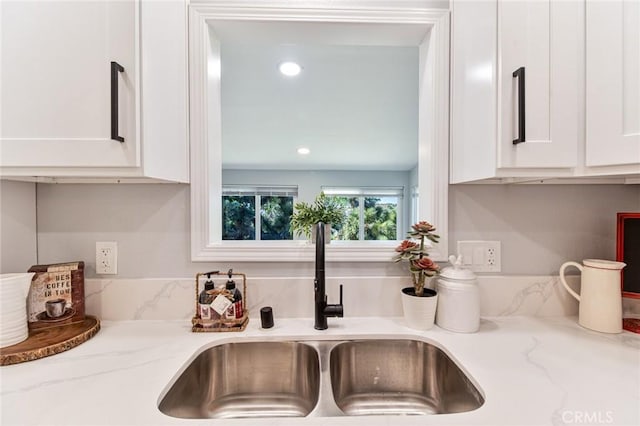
point(336, 310)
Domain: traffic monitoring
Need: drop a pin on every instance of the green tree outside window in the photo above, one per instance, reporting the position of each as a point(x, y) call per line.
point(238, 217)
point(275, 216)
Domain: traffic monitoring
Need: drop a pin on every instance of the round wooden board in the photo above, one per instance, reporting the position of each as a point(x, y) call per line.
point(50, 341)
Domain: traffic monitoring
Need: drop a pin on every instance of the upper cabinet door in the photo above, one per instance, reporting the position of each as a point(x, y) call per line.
point(540, 42)
point(56, 83)
point(613, 83)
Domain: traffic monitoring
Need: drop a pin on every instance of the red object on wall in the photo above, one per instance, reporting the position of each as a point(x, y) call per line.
point(629, 324)
point(620, 255)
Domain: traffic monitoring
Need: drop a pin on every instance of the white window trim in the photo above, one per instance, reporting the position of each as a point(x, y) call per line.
point(205, 135)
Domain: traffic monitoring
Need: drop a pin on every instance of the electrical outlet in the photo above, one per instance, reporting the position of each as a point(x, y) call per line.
point(480, 256)
point(107, 258)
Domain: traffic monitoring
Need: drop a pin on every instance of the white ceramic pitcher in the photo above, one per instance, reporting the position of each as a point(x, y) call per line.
point(14, 289)
point(600, 294)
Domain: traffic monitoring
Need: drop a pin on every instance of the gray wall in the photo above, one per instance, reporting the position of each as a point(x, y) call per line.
point(540, 227)
point(17, 226)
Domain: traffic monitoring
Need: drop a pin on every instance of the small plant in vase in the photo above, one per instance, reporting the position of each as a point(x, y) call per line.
point(419, 304)
point(414, 251)
point(328, 210)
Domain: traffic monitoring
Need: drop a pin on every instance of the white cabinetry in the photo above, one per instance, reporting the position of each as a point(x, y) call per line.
point(612, 83)
point(545, 39)
point(65, 105)
point(491, 41)
point(56, 66)
point(569, 132)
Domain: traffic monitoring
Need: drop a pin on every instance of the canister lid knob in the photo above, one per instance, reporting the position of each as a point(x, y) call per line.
point(456, 271)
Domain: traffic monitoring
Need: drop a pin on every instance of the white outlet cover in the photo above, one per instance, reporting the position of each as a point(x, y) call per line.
point(106, 257)
point(480, 256)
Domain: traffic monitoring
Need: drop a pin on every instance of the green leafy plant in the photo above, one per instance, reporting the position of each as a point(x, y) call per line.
point(414, 251)
point(325, 209)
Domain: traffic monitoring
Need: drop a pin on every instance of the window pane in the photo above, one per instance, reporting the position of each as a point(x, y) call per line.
point(275, 216)
point(349, 230)
point(238, 217)
point(380, 218)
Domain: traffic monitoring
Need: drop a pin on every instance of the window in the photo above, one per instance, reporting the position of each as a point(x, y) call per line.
point(372, 213)
point(415, 205)
point(257, 213)
point(238, 217)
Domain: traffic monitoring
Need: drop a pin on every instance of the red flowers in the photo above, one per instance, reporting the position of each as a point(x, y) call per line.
point(415, 253)
point(407, 246)
point(423, 227)
point(425, 264)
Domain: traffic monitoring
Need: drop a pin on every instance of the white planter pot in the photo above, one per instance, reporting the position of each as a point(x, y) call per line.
point(419, 312)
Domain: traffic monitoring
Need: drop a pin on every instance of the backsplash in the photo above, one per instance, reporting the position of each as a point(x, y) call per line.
point(540, 227)
point(154, 299)
point(151, 225)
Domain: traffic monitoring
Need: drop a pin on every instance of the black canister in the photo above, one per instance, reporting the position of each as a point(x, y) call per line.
point(266, 317)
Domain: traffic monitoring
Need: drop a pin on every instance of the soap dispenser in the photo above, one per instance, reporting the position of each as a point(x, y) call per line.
point(205, 298)
point(235, 311)
point(458, 298)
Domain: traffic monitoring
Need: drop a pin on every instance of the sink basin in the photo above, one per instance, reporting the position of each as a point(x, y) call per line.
point(399, 377)
point(319, 378)
point(250, 379)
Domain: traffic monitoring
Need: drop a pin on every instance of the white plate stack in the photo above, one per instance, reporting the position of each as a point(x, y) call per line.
point(14, 289)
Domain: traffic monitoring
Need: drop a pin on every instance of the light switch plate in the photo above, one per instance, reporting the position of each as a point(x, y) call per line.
point(480, 256)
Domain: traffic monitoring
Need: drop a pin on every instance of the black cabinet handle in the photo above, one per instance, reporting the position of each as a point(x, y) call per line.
point(519, 74)
point(115, 69)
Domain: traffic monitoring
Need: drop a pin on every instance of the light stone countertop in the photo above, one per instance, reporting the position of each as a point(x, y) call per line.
point(532, 371)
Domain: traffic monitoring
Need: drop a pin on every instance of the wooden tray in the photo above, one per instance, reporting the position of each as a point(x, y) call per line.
point(50, 341)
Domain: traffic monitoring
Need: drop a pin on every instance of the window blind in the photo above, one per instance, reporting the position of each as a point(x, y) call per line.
point(273, 191)
point(389, 191)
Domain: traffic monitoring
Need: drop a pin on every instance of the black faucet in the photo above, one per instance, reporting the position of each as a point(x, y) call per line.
point(323, 310)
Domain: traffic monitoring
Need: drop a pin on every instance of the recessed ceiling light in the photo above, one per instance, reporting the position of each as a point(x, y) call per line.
point(304, 151)
point(290, 69)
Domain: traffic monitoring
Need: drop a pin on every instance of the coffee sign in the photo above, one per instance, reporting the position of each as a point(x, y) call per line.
point(56, 296)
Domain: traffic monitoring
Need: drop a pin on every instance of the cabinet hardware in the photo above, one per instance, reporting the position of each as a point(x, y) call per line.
point(519, 74)
point(115, 69)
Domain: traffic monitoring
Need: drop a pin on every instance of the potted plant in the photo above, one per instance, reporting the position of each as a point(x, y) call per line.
point(419, 303)
point(328, 210)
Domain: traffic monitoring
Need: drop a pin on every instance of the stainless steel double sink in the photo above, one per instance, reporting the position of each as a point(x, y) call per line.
point(320, 378)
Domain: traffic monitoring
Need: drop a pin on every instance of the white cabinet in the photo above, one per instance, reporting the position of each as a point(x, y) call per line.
point(612, 83)
point(505, 52)
point(69, 112)
point(581, 62)
point(164, 115)
point(56, 91)
point(543, 39)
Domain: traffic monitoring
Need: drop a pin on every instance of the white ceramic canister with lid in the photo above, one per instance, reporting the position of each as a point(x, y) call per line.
point(459, 298)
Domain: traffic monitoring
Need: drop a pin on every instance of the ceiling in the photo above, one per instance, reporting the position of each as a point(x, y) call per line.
point(354, 105)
